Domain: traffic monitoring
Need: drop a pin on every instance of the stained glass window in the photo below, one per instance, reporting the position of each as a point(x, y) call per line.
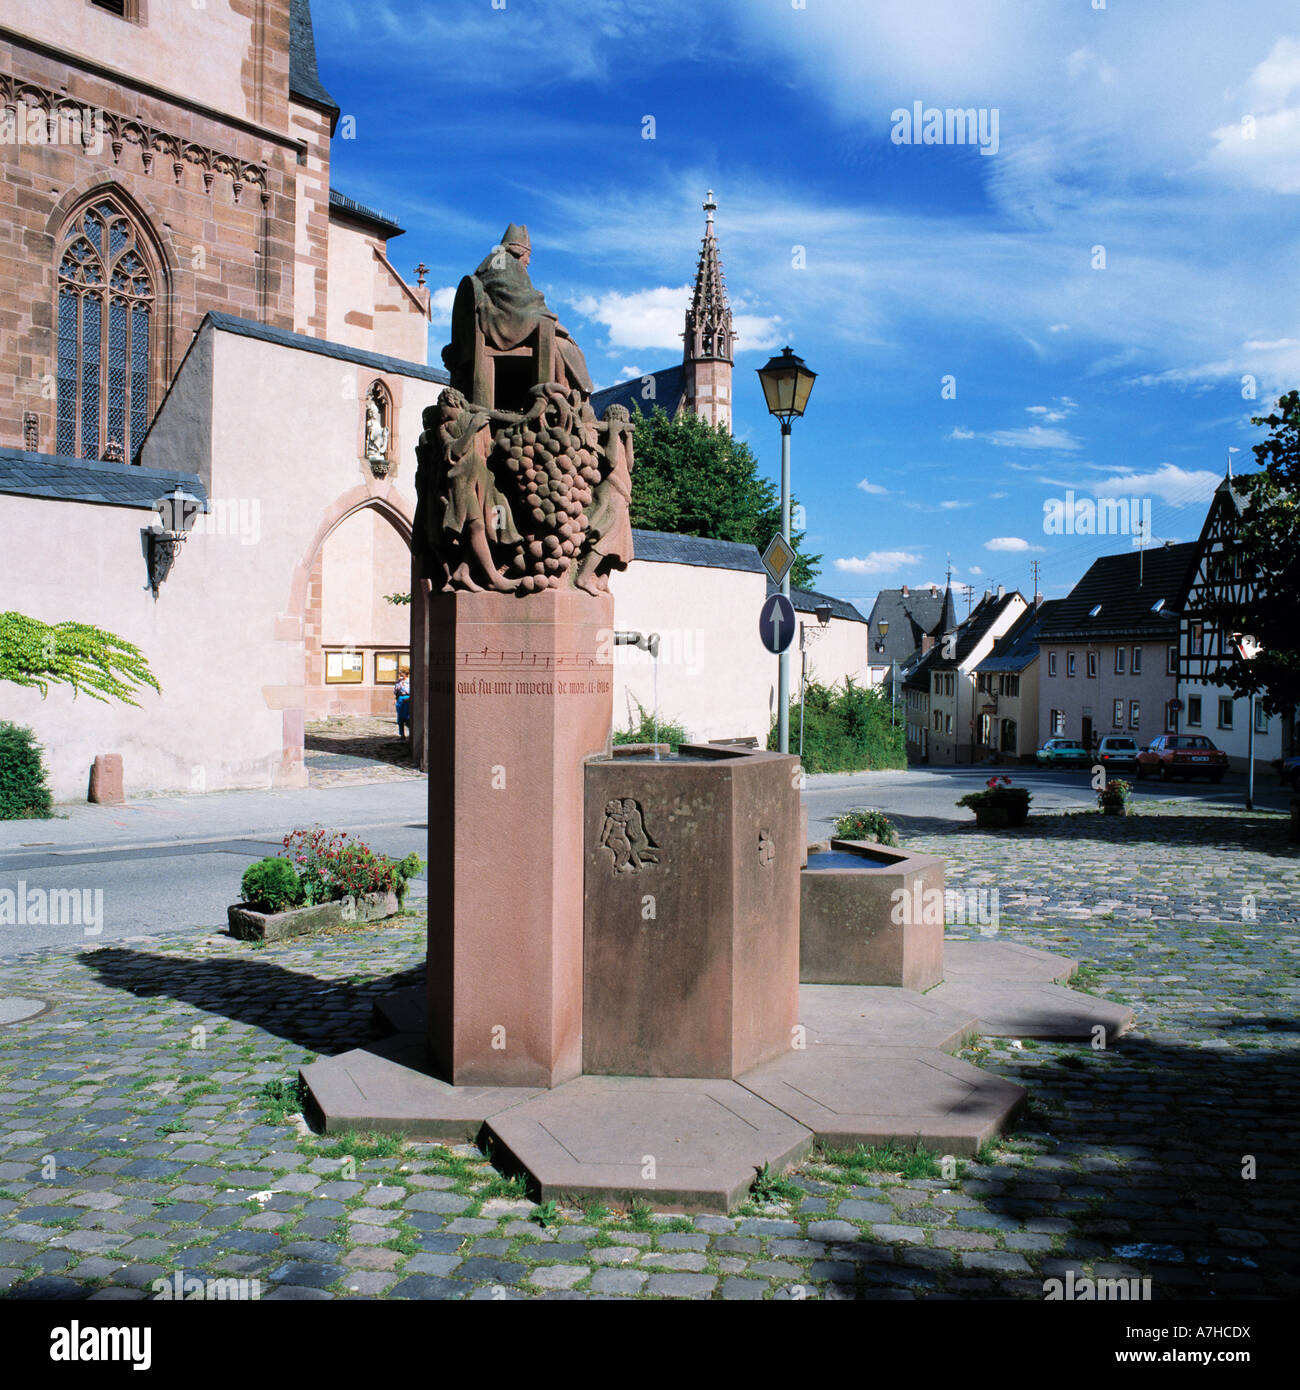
point(107, 290)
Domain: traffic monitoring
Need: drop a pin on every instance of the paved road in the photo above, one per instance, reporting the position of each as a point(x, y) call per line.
point(175, 862)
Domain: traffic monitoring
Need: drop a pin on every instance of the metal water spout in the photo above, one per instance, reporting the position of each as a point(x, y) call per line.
point(638, 639)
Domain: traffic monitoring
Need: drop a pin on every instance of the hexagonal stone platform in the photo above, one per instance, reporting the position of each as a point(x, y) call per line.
point(678, 1144)
point(386, 1087)
point(1003, 962)
point(881, 1016)
point(888, 1096)
point(1032, 1010)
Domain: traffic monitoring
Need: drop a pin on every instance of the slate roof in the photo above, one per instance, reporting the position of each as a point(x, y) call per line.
point(250, 328)
point(304, 80)
point(969, 633)
point(1125, 605)
point(354, 209)
point(1018, 646)
point(66, 479)
point(909, 619)
point(666, 548)
point(669, 388)
point(806, 601)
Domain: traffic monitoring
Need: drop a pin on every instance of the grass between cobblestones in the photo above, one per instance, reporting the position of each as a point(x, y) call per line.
point(150, 1122)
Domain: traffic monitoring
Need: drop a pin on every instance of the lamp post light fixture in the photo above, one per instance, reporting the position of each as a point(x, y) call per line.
point(787, 384)
point(882, 627)
point(177, 512)
point(807, 636)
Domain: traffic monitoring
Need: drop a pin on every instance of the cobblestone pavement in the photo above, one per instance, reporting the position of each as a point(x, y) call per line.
point(138, 1138)
point(347, 751)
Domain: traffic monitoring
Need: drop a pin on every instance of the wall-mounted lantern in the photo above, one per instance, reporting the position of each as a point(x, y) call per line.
point(177, 512)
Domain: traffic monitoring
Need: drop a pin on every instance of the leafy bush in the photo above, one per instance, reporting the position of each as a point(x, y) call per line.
point(330, 864)
point(23, 793)
point(105, 666)
point(845, 729)
point(866, 825)
point(271, 885)
point(648, 731)
point(999, 792)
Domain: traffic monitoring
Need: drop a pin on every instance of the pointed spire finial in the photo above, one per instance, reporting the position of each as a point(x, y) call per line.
point(710, 207)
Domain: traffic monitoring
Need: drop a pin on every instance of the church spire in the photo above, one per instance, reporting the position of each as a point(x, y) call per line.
point(709, 346)
point(709, 336)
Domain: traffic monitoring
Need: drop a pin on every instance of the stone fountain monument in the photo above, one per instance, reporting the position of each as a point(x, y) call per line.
point(613, 982)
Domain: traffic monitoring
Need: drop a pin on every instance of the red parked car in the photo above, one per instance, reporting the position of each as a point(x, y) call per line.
point(1182, 755)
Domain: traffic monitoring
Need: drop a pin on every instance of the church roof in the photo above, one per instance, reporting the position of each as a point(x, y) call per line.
point(304, 80)
point(808, 600)
point(379, 220)
point(668, 389)
point(250, 328)
point(666, 548)
point(68, 479)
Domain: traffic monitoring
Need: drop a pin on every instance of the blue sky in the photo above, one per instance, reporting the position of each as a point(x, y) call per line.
point(1166, 133)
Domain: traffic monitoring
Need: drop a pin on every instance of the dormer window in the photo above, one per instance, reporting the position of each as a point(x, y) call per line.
point(1092, 612)
point(1157, 605)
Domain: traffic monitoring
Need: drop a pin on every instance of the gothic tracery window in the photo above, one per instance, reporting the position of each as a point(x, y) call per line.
point(107, 299)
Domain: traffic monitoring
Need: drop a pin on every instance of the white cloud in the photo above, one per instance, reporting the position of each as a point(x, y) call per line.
point(1177, 486)
point(1033, 437)
point(873, 488)
point(1060, 410)
point(627, 373)
point(975, 569)
point(757, 332)
point(954, 506)
point(960, 433)
point(877, 562)
point(1009, 543)
point(998, 496)
point(1261, 149)
point(642, 319)
point(440, 304)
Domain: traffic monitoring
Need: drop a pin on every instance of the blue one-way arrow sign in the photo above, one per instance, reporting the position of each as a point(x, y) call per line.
point(776, 623)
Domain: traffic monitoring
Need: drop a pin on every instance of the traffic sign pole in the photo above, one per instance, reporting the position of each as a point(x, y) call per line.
point(783, 670)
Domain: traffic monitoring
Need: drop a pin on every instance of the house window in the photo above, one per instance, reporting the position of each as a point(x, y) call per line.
point(986, 724)
point(1120, 654)
point(1069, 664)
point(1193, 711)
point(1196, 638)
point(1117, 719)
point(1051, 663)
point(1137, 661)
point(1092, 665)
point(1011, 685)
point(117, 7)
point(1171, 720)
point(947, 723)
point(1171, 661)
point(1225, 714)
point(107, 292)
point(1058, 723)
point(1134, 713)
point(1261, 719)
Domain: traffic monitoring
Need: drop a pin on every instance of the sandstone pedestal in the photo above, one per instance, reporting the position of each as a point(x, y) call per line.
point(517, 698)
point(106, 780)
point(692, 916)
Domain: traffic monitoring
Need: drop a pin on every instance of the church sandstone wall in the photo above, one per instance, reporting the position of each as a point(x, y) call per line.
point(225, 247)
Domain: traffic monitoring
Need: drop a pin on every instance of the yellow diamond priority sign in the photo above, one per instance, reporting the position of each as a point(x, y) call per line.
point(778, 557)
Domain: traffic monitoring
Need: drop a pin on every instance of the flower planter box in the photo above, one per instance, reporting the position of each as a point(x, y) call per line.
point(249, 925)
point(1000, 817)
point(1119, 809)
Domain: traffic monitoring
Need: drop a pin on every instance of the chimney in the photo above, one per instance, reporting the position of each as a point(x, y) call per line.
point(1002, 591)
point(904, 591)
point(934, 591)
point(988, 594)
point(1038, 601)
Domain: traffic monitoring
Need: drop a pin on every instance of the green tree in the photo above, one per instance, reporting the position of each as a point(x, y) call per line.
point(39, 655)
point(696, 479)
point(1267, 550)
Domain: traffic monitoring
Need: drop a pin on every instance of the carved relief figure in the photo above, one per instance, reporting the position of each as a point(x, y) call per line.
point(609, 532)
point(624, 835)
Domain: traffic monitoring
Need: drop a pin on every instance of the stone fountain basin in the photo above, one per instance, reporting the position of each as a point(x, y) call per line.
point(870, 914)
point(691, 918)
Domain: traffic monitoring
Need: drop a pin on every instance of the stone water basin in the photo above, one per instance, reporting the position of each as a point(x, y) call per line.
point(871, 915)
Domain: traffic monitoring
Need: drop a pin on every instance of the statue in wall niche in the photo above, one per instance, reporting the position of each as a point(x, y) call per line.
point(520, 487)
point(377, 434)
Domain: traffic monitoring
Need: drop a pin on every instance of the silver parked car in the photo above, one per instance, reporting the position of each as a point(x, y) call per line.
point(1118, 750)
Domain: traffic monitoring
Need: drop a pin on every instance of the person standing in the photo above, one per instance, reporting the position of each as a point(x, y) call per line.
point(402, 695)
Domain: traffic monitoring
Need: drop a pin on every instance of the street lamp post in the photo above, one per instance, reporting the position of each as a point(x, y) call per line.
point(787, 383)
